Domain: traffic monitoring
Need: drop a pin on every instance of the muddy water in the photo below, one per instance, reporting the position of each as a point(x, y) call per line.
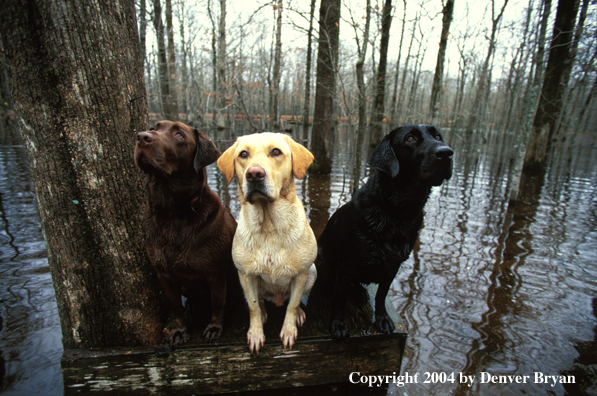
point(489, 288)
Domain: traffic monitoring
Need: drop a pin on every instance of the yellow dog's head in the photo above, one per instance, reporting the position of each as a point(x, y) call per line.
point(265, 164)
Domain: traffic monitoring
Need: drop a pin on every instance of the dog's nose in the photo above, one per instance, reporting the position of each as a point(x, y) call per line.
point(444, 152)
point(144, 138)
point(255, 174)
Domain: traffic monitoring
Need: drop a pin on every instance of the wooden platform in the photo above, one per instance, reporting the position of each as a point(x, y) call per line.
point(228, 366)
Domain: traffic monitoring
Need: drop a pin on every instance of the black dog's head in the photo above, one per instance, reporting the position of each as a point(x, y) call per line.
point(414, 153)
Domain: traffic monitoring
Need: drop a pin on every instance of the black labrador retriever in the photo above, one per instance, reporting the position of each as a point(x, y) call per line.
point(368, 238)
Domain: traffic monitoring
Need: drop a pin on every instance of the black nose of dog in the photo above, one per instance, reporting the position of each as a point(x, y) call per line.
point(144, 139)
point(255, 174)
point(444, 152)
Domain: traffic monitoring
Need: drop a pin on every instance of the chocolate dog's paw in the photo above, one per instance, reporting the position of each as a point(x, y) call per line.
point(212, 332)
point(339, 329)
point(384, 324)
point(177, 336)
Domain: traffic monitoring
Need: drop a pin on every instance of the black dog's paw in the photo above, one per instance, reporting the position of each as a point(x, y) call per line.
point(384, 324)
point(177, 336)
point(339, 329)
point(212, 332)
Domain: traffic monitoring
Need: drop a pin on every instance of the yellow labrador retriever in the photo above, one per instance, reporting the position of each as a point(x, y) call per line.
point(274, 246)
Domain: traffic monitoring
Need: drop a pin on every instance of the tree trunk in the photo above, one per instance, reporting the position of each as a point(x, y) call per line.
point(307, 105)
point(380, 92)
point(324, 117)
point(222, 66)
point(274, 111)
point(404, 72)
point(568, 68)
point(550, 99)
point(214, 64)
point(362, 98)
point(528, 110)
point(397, 75)
point(80, 96)
point(171, 62)
point(436, 88)
point(163, 74)
point(143, 29)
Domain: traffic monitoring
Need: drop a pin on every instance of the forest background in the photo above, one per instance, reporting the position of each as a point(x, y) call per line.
point(518, 75)
point(475, 68)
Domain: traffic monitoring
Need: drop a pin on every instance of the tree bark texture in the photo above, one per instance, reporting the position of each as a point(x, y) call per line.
point(172, 78)
point(324, 117)
point(164, 76)
point(550, 99)
point(362, 97)
point(274, 113)
point(380, 87)
point(222, 66)
point(79, 92)
point(143, 29)
point(436, 89)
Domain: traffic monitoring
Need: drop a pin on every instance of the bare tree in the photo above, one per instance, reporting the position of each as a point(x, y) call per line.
point(275, 88)
point(362, 53)
point(448, 11)
point(222, 91)
point(397, 74)
point(482, 88)
point(378, 113)
point(164, 75)
point(550, 100)
point(143, 29)
point(307, 100)
point(171, 61)
point(324, 117)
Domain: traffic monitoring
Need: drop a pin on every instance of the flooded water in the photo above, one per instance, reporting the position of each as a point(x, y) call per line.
point(490, 288)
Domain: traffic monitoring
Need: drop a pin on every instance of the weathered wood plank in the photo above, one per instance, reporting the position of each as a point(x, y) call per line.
point(228, 366)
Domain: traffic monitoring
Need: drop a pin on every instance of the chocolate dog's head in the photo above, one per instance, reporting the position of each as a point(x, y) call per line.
point(414, 153)
point(170, 147)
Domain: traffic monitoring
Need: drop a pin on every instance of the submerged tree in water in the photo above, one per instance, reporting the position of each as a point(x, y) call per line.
point(324, 117)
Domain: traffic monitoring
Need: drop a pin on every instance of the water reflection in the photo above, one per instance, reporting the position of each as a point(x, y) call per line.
point(509, 290)
point(30, 339)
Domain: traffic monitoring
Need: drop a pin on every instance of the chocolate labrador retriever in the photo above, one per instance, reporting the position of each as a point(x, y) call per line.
point(188, 232)
point(367, 239)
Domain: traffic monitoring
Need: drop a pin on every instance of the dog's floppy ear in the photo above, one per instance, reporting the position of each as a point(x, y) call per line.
point(206, 153)
point(384, 159)
point(301, 158)
point(226, 162)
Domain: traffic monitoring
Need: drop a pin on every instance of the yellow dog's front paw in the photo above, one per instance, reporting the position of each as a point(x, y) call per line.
point(288, 335)
point(255, 339)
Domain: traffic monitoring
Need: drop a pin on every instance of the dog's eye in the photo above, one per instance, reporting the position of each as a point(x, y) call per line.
point(276, 152)
point(179, 135)
point(243, 154)
point(410, 138)
point(438, 137)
